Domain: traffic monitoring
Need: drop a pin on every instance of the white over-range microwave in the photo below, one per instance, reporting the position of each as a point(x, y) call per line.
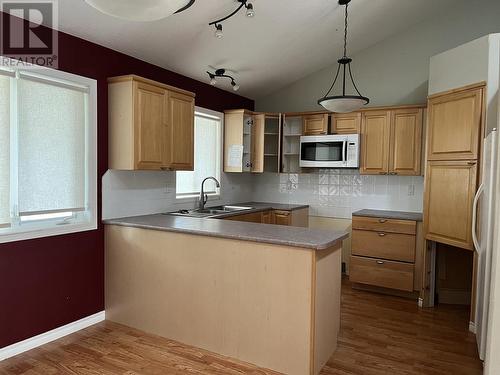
point(329, 151)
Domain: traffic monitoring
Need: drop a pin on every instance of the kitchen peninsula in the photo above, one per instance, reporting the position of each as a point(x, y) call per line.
point(265, 294)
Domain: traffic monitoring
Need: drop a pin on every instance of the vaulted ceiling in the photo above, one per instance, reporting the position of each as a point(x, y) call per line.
point(285, 41)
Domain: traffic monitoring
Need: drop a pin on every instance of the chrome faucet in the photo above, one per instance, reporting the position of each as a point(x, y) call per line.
point(203, 196)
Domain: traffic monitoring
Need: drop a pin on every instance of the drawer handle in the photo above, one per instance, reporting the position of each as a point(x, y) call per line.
point(381, 234)
point(382, 220)
point(380, 262)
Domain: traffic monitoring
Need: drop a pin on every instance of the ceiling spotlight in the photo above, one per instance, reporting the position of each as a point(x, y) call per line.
point(134, 10)
point(221, 73)
point(250, 11)
point(243, 3)
point(218, 31)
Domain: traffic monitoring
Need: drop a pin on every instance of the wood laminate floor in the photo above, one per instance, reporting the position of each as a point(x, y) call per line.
point(379, 335)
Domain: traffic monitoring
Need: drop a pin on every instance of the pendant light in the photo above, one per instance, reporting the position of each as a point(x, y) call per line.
point(343, 103)
point(145, 10)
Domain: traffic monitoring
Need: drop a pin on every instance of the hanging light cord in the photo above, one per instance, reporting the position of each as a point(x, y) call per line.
point(345, 32)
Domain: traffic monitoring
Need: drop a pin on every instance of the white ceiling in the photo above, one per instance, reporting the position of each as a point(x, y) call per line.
point(285, 41)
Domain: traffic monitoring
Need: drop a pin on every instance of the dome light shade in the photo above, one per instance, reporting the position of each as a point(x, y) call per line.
point(343, 104)
point(142, 11)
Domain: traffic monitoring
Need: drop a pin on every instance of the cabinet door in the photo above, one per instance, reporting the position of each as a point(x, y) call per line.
point(375, 129)
point(257, 156)
point(454, 125)
point(346, 123)
point(449, 192)
point(282, 217)
point(149, 119)
point(406, 142)
point(315, 124)
point(180, 144)
point(267, 217)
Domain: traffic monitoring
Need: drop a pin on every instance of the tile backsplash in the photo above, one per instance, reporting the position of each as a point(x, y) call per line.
point(132, 193)
point(339, 192)
point(329, 192)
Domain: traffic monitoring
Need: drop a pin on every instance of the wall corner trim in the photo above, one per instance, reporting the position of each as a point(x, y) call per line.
point(46, 337)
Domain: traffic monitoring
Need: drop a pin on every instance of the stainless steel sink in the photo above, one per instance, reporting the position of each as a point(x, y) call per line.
point(209, 211)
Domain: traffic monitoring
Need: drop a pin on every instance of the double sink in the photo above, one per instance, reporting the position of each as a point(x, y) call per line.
point(210, 211)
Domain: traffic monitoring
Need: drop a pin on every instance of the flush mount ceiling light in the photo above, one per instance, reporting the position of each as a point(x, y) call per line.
point(343, 103)
point(221, 73)
point(243, 3)
point(145, 10)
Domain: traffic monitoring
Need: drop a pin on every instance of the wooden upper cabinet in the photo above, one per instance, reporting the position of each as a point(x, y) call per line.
point(258, 143)
point(346, 123)
point(151, 125)
point(406, 142)
point(450, 187)
point(149, 132)
point(315, 124)
point(375, 133)
point(179, 150)
point(454, 124)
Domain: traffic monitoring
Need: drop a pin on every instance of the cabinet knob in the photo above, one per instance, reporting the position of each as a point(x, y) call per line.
point(381, 234)
point(384, 173)
point(471, 162)
point(382, 220)
point(393, 173)
point(165, 168)
point(380, 262)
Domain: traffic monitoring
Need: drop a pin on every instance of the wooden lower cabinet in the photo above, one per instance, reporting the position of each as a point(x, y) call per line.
point(386, 253)
point(450, 187)
point(282, 217)
point(382, 273)
point(255, 217)
point(296, 218)
point(395, 246)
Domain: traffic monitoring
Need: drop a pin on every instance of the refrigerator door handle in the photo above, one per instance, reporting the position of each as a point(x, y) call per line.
point(474, 218)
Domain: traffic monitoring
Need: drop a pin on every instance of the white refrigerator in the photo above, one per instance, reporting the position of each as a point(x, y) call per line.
point(483, 235)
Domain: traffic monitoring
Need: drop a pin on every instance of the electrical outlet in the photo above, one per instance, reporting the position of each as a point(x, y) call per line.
point(411, 190)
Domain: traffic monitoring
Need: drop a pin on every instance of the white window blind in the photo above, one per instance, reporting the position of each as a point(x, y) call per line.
point(4, 150)
point(48, 153)
point(207, 147)
point(51, 147)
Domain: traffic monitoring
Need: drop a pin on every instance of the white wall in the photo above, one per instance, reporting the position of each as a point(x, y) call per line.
point(395, 71)
point(136, 193)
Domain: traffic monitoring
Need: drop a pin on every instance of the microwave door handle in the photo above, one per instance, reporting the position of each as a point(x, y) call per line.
point(344, 152)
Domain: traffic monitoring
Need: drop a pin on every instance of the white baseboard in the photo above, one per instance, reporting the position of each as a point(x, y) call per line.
point(472, 327)
point(44, 338)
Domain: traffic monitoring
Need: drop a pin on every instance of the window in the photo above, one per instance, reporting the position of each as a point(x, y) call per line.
point(207, 151)
point(48, 153)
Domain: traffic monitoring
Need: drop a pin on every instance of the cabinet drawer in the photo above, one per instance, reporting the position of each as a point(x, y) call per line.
point(392, 246)
point(384, 225)
point(382, 273)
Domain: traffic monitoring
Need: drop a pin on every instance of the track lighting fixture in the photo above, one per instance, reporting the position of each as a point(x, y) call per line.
point(221, 73)
point(249, 13)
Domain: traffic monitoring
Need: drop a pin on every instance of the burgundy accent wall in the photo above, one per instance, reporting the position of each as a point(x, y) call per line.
point(49, 282)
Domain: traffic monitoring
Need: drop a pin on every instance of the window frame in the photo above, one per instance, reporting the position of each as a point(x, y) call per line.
point(193, 197)
point(79, 221)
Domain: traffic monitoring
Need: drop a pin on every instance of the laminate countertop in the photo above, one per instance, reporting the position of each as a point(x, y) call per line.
point(314, 239)
point(397, 215)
